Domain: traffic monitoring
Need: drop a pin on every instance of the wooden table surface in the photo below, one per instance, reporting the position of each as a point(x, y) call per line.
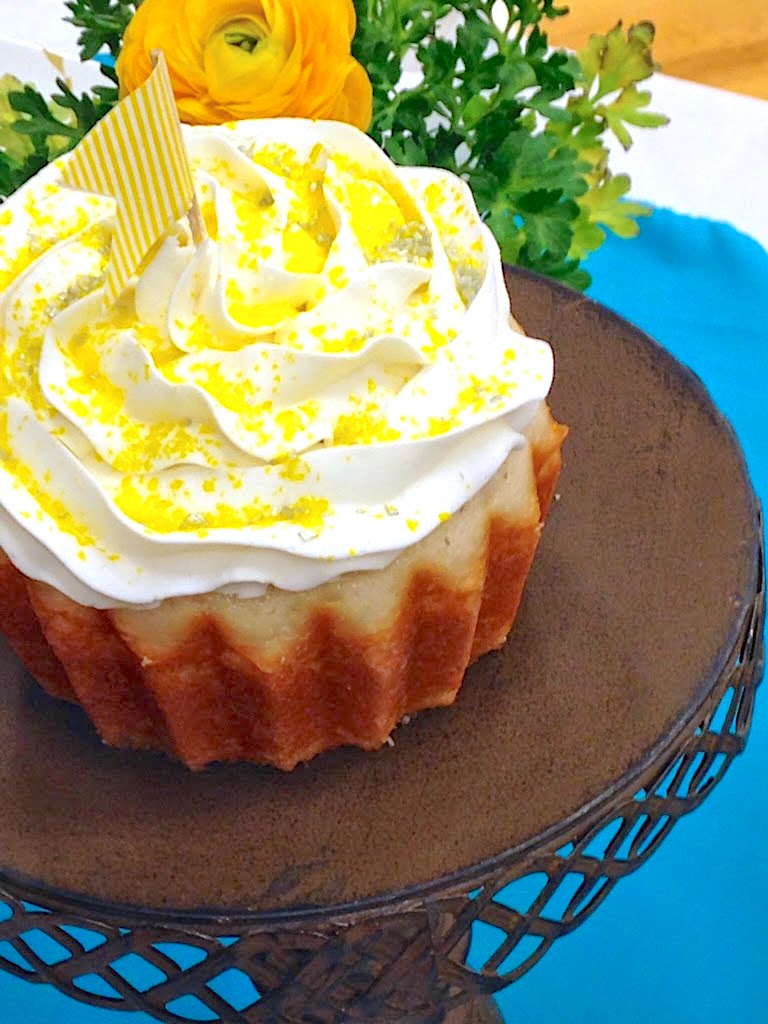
point(718, 42)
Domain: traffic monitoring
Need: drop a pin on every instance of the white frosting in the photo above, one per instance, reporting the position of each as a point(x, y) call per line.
point(330, 375)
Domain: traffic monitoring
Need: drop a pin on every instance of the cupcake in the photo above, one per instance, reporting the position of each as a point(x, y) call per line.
point(284, 491)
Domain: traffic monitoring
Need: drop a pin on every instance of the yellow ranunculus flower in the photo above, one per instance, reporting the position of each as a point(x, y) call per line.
point(231, 60)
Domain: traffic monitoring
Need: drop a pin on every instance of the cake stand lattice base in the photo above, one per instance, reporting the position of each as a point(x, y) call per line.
point(481, 1011)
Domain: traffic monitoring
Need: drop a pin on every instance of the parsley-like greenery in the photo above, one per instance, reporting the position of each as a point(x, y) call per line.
point(524, 125)
point(33, 130)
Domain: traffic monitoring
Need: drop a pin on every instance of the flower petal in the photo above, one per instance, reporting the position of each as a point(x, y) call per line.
point(239, 59)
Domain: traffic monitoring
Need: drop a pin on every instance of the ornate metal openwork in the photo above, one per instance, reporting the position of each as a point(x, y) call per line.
point(415, 957)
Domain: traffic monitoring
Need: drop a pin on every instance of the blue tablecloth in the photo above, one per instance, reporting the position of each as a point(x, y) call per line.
point(683, 941)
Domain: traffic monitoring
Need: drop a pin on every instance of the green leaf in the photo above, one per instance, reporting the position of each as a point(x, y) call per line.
point(626, 109)
point(476, 109)
point(619, 60)
point(588, 236)
point(531, 163)
point(472, 40)
point(514, 76)
point(604, 206)
point(14, 173)
point(549, 231)
point(103, 24)
point(15, 146)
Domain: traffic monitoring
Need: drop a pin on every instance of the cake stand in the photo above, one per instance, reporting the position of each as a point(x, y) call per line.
point(412, 883)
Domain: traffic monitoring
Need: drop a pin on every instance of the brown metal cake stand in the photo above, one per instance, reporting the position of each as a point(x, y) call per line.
point(352, 889)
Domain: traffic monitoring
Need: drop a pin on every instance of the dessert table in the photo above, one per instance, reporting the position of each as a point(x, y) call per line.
point(682, 940)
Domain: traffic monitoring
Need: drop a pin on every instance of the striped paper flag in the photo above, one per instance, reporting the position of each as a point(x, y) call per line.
point(136, 153)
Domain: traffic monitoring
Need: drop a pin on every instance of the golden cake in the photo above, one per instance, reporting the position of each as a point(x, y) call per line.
point(291, 485)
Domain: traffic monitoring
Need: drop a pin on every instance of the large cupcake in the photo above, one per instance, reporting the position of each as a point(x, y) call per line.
point(288, 488)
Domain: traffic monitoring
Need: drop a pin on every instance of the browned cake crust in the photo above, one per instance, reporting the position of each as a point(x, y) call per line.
point(279, 678)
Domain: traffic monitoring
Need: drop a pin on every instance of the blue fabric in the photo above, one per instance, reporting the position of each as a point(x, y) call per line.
point(683, 941)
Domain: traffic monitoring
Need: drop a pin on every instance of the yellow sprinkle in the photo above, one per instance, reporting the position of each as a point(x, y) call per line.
point(439, 425)
point(363, 428)
point(49, 503)
point(292, 468)
point(338, 277)
point(140, 500)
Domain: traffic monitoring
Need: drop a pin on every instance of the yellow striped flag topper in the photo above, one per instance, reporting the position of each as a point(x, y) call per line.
point(136, 153)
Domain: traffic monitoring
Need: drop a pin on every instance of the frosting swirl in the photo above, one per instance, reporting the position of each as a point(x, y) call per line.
point(317, 386)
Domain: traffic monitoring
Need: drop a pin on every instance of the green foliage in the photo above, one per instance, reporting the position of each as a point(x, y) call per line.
point(524, 125)
point(33, 130)
point(15, 146)
point(103, 24)
point(26, 144)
